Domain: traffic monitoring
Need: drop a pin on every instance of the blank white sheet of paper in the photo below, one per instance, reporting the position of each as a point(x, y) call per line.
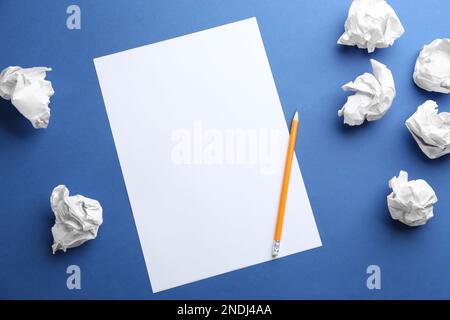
point(201, 138)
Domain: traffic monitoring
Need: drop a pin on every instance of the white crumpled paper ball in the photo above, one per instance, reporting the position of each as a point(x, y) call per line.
point(432, 70)
point(77, 219)
point(411, 202)
point(29, 92)
point(371, 24)
point(374, 94)
point(430, 129)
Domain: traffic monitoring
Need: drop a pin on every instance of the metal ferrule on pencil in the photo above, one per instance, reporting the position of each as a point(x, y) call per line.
point(276, 248)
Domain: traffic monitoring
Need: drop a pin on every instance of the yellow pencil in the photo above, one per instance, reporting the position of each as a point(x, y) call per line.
point(285, 186)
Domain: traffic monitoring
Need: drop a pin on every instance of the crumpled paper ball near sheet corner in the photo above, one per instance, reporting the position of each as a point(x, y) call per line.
point(374, 94)
point(371, 24)
point(411, 202)
point(29, 92)
point(77, 219)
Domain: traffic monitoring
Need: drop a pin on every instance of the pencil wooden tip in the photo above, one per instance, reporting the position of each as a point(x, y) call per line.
point(296, 115)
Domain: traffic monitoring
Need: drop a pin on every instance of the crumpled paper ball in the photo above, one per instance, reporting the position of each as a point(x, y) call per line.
point(432, 70)
point(374, 94)
point(430, 129)
point(371, 24)
point(29, 92)
point(77, 219)
point(411, 202)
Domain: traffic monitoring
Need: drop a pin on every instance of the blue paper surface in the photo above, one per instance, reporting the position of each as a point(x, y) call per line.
point(346, 170)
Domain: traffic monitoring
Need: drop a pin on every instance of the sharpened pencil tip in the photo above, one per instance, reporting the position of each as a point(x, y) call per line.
point(296, 115)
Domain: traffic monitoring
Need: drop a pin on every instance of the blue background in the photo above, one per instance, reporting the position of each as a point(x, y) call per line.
point(346, 170)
